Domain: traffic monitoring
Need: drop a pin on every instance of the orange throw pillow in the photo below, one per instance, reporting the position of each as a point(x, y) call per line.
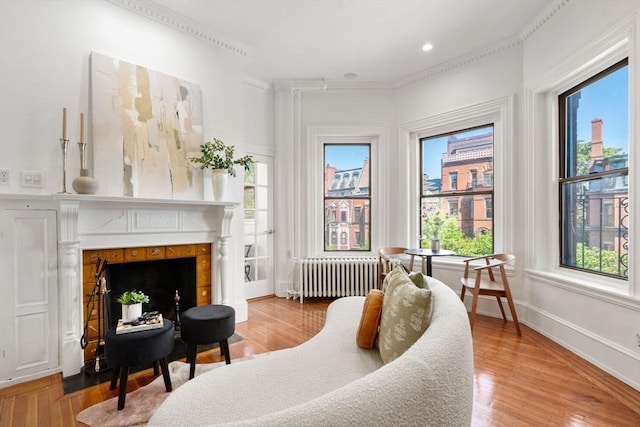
point(370, 319)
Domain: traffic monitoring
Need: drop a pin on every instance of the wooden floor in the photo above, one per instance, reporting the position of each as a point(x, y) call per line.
point(519, 381)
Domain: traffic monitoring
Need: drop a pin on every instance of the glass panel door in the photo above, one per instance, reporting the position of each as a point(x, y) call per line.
point(258, 228)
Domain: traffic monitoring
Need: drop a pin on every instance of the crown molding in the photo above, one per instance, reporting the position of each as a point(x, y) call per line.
point(460, 61)
point(543, 17)
point(256, 83)
point(508, 43)
point(323, 85)
point(180, 23)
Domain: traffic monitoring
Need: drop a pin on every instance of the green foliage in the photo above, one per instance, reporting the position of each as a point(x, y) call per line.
point(584, 155)
point(216, 155)
point(133, 297)
point(590, 258)
point(452, 238)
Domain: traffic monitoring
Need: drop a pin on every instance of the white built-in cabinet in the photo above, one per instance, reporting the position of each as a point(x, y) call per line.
point(29, 331)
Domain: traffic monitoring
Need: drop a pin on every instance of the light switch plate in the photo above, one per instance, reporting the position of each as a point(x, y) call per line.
point(5, 176)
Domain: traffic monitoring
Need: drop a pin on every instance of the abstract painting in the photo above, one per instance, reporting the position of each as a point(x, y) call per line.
point(145, 126)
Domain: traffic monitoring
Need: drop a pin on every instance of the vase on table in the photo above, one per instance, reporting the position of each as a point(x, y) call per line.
point(131, 312)
point(435, 243)
point(220, 178)
point(207, 185)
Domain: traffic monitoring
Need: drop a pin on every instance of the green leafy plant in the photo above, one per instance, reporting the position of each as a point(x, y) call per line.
point(434, 222)
point(133, 297)
point(217, 155)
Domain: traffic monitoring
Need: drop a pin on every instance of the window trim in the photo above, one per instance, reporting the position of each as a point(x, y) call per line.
point(541, 169)
point(563, 174)
point(500, 112)
point(312, 221)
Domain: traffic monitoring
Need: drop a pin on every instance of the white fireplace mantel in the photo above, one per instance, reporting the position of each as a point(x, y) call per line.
point(94, 222)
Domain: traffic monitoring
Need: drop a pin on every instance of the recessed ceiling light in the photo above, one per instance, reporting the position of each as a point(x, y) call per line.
point(427, 47)
point(350, 76)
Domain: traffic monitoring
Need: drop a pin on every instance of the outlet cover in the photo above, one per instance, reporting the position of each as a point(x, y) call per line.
point(5, 176)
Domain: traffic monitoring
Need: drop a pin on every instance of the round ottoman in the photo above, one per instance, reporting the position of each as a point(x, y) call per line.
point(207, 324)
point(138, 348)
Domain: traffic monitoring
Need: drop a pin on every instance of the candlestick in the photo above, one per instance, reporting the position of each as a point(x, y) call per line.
point(64, 123)
point(64, 143)
point(81, 128)
point(85, 183)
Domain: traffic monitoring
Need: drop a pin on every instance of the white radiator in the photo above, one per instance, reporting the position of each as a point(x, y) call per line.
point(337, 277)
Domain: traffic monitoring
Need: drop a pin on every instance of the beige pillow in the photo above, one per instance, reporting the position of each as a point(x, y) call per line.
point(406, 313)
point(370, 319)
point(418, 279)
point(397, 271)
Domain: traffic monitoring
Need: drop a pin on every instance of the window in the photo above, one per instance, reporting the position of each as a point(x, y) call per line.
point(453, 181)
point(464, 208)
point(347, 185)
point(488, 207)
point(594, 197)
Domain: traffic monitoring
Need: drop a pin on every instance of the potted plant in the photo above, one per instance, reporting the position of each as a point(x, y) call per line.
point(434, 222)
point(217, 161)
point(132, 304)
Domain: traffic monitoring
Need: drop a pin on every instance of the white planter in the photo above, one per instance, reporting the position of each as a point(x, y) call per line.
point(220, 178)
point(131, 312)
point(207, 185)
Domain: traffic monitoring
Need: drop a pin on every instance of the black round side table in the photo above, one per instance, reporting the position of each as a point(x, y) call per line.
point(138, 348)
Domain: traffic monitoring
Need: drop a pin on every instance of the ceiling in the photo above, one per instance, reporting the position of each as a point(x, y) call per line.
point(379, 40)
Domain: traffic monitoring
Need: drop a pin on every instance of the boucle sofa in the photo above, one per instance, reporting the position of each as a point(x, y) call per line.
point(330, 381)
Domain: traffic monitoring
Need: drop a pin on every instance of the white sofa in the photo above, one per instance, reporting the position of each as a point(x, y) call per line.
point(330, 381)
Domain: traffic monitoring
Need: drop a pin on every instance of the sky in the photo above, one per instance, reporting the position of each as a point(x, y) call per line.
point(435, 147)
point(607, 99)
point(346, 156)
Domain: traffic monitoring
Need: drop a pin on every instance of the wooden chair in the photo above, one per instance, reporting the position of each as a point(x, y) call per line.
point(384, 262)
point(492, 287)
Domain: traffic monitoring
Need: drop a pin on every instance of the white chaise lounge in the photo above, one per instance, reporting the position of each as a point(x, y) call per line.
point(330, 381)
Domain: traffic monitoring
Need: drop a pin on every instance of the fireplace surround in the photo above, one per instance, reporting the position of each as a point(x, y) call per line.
point(87, 224)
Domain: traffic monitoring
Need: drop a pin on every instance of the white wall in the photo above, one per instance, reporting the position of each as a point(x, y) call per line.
point(45, 66)
point(584, 313)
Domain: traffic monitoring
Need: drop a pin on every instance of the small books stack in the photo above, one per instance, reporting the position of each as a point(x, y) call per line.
point(143, 323)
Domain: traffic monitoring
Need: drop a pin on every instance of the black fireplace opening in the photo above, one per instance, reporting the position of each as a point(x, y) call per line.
point(159, 279)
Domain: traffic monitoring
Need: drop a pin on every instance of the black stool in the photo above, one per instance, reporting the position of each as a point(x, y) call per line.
point(207, 324)
point(138, 348)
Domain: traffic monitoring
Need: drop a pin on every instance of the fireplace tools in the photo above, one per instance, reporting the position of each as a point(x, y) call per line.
point(98, 296)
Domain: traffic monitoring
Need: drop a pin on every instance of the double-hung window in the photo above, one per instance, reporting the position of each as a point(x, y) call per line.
point(456, 192)
point(347, 196)
point(593, 181)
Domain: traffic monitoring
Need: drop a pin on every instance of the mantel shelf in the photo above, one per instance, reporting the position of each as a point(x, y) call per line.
point(113, 200)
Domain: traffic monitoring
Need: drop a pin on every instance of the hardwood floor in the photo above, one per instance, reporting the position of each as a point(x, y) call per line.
point(519, 381)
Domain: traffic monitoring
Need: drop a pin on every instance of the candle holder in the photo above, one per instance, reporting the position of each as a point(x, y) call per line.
point(64, 143)
point(85, 183)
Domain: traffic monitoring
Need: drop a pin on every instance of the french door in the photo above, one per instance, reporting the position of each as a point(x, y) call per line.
point(258, 228)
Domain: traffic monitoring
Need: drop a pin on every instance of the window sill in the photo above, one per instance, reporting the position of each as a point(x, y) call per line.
point(586, 286)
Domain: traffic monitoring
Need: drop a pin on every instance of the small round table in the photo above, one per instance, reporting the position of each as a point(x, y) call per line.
point(138, 348)
point(426, 255)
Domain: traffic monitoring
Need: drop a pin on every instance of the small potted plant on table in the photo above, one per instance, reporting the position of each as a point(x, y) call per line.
point(132, 304)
